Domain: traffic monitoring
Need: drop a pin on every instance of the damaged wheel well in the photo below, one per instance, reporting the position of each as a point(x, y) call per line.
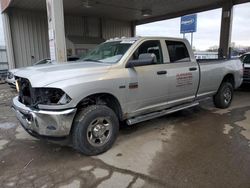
point(102, 99)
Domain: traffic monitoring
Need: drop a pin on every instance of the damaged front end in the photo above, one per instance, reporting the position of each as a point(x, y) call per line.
point(33, 97)
point(51, 123)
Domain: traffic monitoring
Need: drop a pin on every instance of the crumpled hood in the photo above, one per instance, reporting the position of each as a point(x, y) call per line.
point(43, 75)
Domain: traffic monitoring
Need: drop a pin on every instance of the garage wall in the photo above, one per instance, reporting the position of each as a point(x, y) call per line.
point(29, 37)
point(114, 28)
point(3, 58)
point(92, 27)
point(29, 30)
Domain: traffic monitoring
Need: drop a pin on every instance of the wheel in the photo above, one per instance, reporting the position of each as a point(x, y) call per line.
point(224, 96)
point(95, 129)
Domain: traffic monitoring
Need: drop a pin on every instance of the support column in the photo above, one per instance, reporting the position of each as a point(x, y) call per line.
point(8, 40)
point(133, 29)
point(226, 30)
point(57, 43)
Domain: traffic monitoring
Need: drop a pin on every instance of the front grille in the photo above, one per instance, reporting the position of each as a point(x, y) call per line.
point(246, 73)
point(32, 97)
point(25, 93)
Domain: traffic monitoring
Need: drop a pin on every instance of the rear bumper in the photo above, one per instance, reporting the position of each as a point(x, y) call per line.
point(44, 123)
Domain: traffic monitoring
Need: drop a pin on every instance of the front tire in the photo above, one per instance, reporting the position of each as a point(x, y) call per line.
point(224, 96)
point(95, 130)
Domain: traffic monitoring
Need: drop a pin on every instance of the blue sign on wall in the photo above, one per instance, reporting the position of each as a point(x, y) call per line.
point(189, 23)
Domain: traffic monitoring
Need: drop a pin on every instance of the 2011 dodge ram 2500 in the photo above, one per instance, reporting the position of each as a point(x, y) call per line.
point(127, 79)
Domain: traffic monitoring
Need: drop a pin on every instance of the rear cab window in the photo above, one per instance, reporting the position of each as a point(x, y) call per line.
point(177, 51)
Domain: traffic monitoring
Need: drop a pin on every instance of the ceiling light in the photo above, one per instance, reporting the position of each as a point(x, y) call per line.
point(146, 12)
point(86, 4)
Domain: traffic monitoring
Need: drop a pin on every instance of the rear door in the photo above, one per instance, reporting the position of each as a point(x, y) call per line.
point(182, 73)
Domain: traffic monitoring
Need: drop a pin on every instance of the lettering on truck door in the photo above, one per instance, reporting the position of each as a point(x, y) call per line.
point(183, 74)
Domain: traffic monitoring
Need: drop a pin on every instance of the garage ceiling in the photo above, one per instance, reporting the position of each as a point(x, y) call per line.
point(129, 10)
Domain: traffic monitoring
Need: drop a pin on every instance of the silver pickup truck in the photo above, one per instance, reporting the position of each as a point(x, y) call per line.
point(122, 80)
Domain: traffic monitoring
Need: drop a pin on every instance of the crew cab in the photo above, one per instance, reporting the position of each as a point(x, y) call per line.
point(122, 80)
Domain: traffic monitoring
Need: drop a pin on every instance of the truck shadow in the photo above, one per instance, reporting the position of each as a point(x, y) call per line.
point(244, 88)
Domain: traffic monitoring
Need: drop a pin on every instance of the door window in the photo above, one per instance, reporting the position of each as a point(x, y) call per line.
point(177, 52)
point(149, 47)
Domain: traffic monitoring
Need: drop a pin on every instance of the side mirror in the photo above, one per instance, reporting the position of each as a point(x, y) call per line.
point(143, 60)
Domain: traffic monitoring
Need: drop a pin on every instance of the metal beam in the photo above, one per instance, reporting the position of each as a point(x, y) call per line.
point(226, 30)
point(189, 11)
point(178, 14)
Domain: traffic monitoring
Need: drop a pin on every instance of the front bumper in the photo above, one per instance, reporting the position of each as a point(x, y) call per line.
point(44, 123)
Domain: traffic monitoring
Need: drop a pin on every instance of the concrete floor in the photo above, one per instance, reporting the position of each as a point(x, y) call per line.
point(198, 147)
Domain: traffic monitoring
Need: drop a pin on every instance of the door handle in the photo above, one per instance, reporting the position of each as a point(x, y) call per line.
point(192, 69)
point(161, 72)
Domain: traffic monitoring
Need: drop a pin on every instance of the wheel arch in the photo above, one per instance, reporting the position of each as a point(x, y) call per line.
point(229, 78)
point(102, 99)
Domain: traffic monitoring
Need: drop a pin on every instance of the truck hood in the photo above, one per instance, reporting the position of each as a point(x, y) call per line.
point(43, 75)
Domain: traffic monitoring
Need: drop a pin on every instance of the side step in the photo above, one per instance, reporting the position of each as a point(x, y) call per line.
point(153, 115)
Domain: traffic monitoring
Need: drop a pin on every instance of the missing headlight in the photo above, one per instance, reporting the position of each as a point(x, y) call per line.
point(49, 96)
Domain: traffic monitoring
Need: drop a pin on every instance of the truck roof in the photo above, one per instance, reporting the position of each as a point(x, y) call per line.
point(144, 37)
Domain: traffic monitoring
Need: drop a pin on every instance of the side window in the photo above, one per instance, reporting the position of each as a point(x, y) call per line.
point(149, 47)
point(177, 52)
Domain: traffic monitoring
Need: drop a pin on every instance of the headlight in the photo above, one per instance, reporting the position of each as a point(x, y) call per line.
point(64, 99)
point(50, 96)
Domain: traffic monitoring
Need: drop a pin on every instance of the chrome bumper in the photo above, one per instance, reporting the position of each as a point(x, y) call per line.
point(44, 123)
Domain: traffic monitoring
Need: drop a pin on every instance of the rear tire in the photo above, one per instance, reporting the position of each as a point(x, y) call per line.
point(224, 96)
point(95, 130)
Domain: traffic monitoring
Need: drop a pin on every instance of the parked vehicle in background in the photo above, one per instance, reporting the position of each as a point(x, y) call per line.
point(128, 79)
point(43, 62)
point(3, 75)
point(11, 78)
point(245, 58)
point(11, 73)
point(3, 64)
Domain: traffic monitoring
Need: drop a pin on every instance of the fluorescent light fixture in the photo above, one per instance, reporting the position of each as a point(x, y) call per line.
point(86, 4)
point(146, 12)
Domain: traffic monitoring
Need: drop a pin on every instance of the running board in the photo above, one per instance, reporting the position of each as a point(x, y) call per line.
point(153, 115)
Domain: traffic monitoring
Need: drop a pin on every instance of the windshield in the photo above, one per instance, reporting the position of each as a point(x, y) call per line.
point(108, 52)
